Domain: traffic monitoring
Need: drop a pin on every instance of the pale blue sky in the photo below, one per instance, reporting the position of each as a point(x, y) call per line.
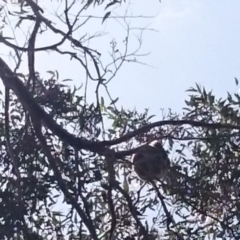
point(198, 41)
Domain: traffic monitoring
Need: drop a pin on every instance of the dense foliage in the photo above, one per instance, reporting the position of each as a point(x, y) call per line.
point(52, 189)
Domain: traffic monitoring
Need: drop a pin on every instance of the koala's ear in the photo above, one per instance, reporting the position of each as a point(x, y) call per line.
point(153, 143)
point(137, 156)
point(156, 143)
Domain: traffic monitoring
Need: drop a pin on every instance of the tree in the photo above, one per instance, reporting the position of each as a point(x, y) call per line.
point(60, 151)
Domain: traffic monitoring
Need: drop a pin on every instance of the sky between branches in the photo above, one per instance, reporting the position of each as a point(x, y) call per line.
point(197, 41)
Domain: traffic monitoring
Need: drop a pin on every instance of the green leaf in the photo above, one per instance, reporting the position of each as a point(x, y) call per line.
point(67, 80)
point(106, 16)
point(57, 75)
point(111, 3)
point(236, 81)
point(111, 131)
point(198, 88)
point(102, 102)
point(51, 72)
point(125, 184)
point(191, 90)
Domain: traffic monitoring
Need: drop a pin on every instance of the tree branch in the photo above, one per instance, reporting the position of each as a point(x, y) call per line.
point(11, 81)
